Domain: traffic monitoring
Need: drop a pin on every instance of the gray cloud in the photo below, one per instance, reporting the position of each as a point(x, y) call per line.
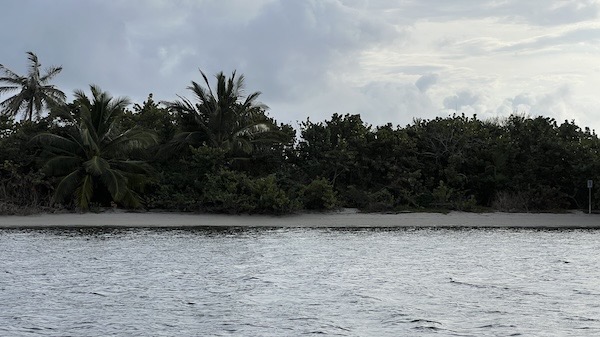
point(394, 102)
point(413, 70)
point(582, 35)
point(307, 56)
point(426, 81)
point(462, 99)
point(549, 12)
point(557, 103)
point(543, 13)
point(296, 43)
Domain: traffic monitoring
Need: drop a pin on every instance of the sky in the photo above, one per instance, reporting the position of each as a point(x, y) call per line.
point(388, 60)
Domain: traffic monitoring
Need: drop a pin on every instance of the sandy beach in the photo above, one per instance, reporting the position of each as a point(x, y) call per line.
point(341, 219)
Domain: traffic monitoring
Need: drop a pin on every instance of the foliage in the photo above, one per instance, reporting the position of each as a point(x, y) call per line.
point(22, 188)
point(34, 91)
point(319, 195)
point(224, 118)
point(179, 183)
point(22, 192)
point(232, 192)
point(92, 161)
point(151, 116)
point(221, 153)
point(456, 162)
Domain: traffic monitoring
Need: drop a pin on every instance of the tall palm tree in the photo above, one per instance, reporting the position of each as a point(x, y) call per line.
point(95, 155)
point(223, 119)
point(35, 92)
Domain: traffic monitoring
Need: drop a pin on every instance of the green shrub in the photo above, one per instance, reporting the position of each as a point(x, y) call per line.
point(355, 198)
point(234, 192)
point(319, 195)
point(270, 198)
point(380, 201)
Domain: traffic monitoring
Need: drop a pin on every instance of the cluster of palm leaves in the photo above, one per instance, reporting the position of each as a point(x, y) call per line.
point(92, 158)
point(34, 94)
point(95, 154)
point(222, 119)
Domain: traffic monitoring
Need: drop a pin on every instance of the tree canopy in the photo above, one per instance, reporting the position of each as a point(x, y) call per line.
point(94, 155)
point(224, 118)
point(226, 155)
point(34, 91)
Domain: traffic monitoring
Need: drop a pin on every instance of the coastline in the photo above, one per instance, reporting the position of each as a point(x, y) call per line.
point(339, 219)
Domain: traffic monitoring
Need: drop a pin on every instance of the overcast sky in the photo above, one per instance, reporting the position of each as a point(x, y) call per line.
point(390, 61)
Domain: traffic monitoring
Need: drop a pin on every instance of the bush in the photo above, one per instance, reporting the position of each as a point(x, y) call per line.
point(380, 201)
point(234, 192)
point(354, 197)
point(270, 198)
point(539, 198)
point(319, 195)
point(22, 190)
point(547, 198)
point(510, 202)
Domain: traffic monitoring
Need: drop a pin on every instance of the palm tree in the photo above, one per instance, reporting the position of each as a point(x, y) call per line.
point(93, 158)
point(223, 119)
point(35, 92)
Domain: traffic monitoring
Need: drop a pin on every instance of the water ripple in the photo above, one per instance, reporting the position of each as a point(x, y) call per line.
point(292, 282)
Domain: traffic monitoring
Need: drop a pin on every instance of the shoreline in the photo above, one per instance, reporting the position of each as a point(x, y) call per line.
point(340, 219)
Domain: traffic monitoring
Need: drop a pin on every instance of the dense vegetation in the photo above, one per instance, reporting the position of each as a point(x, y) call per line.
point(222, 152)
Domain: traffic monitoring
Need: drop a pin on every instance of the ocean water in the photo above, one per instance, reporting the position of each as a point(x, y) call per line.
point(299, 282)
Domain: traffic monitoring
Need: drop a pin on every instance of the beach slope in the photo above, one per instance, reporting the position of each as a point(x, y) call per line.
point(341, 219)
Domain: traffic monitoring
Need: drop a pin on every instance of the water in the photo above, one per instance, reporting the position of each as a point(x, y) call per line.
point(296, 282)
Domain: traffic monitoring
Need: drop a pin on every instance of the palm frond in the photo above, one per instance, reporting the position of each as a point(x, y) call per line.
point(81, 98)
point(131, 199)
point(61, 165)
point(33, 59)
point(181, 105)
point(53, 94)
point(62, 111)
point(207, 83)
point(115, 182)
point(67, 186)
point(88, 140)
point(11, 76)
point(119, 103)
point(18, 81)
point(252, 130)
point(133, 167)
point(204, 96)
point(84, 193)
point(12, 105)
point(180, 143)
point(130, 140)
point(50, 139)
point(7, 89)
point(50, 73)
point(96, 166)
point(250, 103)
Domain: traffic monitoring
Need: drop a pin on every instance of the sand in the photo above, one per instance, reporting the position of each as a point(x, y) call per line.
point(345, 218)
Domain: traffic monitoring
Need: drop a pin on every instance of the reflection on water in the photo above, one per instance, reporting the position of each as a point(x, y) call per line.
point(289, 282)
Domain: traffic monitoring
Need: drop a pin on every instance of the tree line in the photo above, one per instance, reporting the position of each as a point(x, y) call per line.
point(220, 151)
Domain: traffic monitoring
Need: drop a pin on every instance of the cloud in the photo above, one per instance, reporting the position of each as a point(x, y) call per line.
point(551, 13)
point(585, 35)
point(541, 13)
point(426, 81)
point(462, 99)
point(560, 104)
point(307, 42)
point(389, 61)
point(395, 102)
